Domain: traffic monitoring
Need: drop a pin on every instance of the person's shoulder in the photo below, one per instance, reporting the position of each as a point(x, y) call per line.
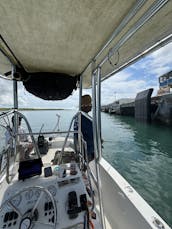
point(85, 119)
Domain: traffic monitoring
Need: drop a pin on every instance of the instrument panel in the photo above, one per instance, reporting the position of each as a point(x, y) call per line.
point(48, 200)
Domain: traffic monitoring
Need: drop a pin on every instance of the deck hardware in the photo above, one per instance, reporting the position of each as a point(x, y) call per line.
point(158, 223)
point(110, 54)
point(129, 189)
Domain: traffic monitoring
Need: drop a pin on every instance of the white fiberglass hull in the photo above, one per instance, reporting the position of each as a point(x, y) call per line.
point(123, 207)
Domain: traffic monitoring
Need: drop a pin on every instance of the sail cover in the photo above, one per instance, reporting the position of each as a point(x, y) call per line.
point(65, 36)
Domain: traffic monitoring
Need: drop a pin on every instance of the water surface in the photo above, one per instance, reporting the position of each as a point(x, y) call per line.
point(142, 153)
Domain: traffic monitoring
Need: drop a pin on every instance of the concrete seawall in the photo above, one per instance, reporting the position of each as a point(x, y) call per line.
point(144, 107)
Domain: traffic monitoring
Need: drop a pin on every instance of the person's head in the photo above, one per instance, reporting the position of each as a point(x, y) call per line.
point(19, 120)
point(86, 105)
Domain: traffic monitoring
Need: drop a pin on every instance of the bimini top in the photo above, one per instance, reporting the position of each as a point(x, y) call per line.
point(73, 37)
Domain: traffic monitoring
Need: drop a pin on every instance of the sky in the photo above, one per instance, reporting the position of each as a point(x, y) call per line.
point(125, 84)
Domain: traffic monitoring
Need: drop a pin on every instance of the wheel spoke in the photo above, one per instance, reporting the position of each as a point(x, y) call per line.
point(14, 208)
point(36, 204)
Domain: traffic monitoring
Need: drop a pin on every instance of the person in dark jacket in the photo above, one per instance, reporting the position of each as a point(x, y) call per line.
point(86, 127)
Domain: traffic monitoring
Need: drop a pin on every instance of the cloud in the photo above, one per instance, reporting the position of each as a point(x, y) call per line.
point(3, 100)
point(161, 60)
point(6, 96)
point(120, 86)
point(157, 63)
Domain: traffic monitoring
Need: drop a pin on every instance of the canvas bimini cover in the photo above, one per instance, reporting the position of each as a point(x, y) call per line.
point(74, 37)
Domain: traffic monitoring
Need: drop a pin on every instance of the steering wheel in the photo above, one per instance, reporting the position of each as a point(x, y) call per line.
point(32, 207)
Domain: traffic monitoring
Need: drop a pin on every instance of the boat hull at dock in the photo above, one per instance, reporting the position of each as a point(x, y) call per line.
point(123, 206)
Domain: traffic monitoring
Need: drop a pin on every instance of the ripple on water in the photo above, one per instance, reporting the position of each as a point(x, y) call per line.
point(142, 154)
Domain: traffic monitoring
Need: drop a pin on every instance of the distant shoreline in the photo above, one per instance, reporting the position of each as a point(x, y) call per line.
point(33, 109)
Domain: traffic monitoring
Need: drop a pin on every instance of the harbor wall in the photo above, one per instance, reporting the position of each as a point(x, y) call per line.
point(144, 107)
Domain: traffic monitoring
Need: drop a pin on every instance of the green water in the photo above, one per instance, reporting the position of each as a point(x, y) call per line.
point(141, 153)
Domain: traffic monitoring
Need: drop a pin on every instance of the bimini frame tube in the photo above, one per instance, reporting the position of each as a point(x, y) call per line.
point(80, 91)
point(94, 102)
point(15, 97)
point(156, 6)
point(99, 134)
point(15, 94)
point(123, 23)
point(97, 140)
point(79, 116)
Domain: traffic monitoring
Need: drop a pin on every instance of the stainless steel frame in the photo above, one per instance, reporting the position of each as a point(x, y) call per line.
point(96, 87)
point(123, 23)
point(150, 13)
point(159, 44)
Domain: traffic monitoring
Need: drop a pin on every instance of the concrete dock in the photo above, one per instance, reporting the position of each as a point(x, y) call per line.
point(144, 107)
point(120, 107)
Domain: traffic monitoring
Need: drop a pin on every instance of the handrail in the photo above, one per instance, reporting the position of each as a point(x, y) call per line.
point(96, 87)
point(99, 134)
point(65, 141)
point(85, 150)
point(88, 173)
point(27, 123)
point(6, 113)
point(70, 125)
point(49, 132)
point(30, 131)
